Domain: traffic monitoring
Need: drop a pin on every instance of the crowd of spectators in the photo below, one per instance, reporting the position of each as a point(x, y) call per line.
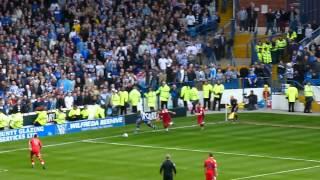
point(62, 53)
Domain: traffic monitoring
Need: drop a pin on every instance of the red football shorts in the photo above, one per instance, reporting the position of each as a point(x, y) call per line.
point(200, 120)
point(166, 123)
point(35, 153)
point(210, 176)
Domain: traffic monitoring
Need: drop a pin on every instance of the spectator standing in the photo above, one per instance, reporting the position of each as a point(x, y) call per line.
point(270, 19)
point(243, 18)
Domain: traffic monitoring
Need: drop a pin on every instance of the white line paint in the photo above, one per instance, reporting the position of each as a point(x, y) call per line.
point(3, 170)
point(201, 151)
point(181, 149)
point(105, 137)
point(279, 172)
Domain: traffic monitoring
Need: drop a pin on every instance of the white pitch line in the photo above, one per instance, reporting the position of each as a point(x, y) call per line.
point(104, 137)
point(3, 170)
point(279, 172)
point(201, 151)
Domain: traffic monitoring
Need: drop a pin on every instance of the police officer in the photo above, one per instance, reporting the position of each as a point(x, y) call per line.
point(42, 118)
point(151, 99)
point(185, 95)
point(60, 116)
point(124, 97)
point(194, 98)
point(168, 169)
point(74, 114)
point(100, 112)
point(134, 98)
point(115, 101)
point(206, 88)
point(164, 93)
point(217, 94)
point(3, 120)
point(16, 121)
point(308, 94)
point(292, 96)
point(84, 113)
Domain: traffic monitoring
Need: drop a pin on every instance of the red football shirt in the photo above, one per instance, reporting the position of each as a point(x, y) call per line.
point(200, 110)
point(165, 115)
point(35, 144)
point(210, 164)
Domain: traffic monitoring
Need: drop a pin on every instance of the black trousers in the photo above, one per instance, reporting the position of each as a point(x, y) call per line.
point(206, 103)
point(167, 177)
point(174, 102)
point(308, 104)
point(185, 103)
point(291, 107)
point(116, 110)
point(151, 108)
point(123, 110)
point(164, 104)
point(194, 103)
point(134, 109)
point(216, 100)
point(1, 128)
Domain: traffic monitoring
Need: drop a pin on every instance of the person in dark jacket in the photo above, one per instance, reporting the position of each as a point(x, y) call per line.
point(168, 169)
point(252, 101)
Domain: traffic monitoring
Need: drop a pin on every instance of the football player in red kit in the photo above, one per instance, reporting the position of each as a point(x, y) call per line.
point(166, 118)
point(200, 115)
point(35, 146)
point(210, 168)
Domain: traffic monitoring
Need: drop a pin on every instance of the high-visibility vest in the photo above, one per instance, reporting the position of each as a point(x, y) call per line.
point(164, 92)
point(115, 99)
point(292, 94)
point(84, 113)
point(185, 93)
point(267, 57)
point(206, 88)
point(134, 97)
point(42, 117)
point(292, 36)
point(124, 97)
point(16, 121)
point(194, 94)
point(60, 117)
point(308, 91)
point(151, 98)
point(100, 112)
point(217, 89)
point(3, 120)
point(74, 112)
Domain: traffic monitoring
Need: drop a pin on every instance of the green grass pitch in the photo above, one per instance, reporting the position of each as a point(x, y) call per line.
point(260, 146)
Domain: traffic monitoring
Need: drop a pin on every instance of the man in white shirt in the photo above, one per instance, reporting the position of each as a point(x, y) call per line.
point(190, 20)
point(164, 63)
point(68, 100)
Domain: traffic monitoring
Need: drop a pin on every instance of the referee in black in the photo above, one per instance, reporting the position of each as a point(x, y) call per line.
point(168, 168)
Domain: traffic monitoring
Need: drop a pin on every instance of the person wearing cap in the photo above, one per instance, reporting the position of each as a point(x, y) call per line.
point(217, 91)
point(42, 117)
point(134, 99)
point(151, 99)
point(168, 168)
point(308, 94)
point(124, 97)
point(115, 101)
point(206, 88)
point(292, 96)
point(60, 116)
point(164, 92)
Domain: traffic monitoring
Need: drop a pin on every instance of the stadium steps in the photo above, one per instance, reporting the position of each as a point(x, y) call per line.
point(225, 16)
point(241, 42)
point(274, 75)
